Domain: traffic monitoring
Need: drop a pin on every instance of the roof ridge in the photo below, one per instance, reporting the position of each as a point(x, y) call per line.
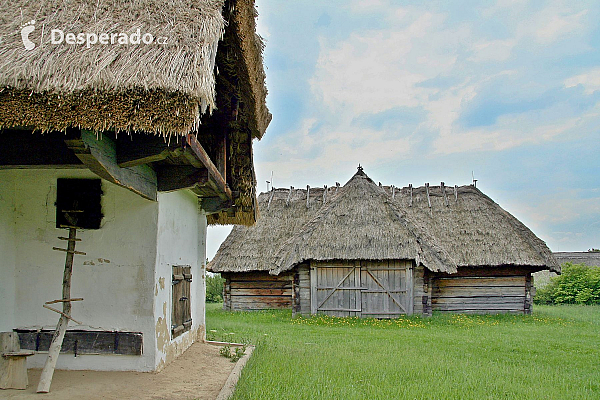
point(427, 244)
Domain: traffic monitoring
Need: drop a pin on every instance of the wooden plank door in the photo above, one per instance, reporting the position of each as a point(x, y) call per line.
point(387, 289)
point(364, 289)
point(338, 289)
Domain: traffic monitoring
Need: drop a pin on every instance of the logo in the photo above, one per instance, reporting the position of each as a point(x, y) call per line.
point(26, 29)
point(88, 39)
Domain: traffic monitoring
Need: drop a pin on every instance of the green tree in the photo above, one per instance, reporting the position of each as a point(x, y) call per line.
point(214, 288)
point(578, 284)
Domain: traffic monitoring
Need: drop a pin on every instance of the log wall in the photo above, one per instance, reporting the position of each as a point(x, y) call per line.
point(422, 291)
point(302, 290)
point(257, 291)
point(470, 290)
point(483, 290)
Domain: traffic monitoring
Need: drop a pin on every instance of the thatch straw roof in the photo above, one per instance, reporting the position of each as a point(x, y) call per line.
point(283, 212)
point(591, 258)
point(476, 230)
point(158, 88)
point(207, 79)
point(364, 221)
point(361, 223)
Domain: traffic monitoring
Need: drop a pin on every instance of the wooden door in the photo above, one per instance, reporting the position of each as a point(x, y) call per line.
point(387, 291)
point(363, 289)
point(337, 289)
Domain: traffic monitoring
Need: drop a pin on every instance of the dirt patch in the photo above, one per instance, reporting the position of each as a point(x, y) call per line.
point(199, 373)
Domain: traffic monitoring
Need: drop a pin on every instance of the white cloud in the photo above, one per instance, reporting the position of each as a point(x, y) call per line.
point(589, 80)
point(551, 25)
point(261, 27)
point(343, 147)
point(513, 6)
point(376, 71)
point(557, 208)
point(444, 112)
point(361, 6)
point(510, 131)
point(492, 50)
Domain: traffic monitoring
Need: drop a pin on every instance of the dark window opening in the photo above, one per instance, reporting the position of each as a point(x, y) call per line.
point(78, 203)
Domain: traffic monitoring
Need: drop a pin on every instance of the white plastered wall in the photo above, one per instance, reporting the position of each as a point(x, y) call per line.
point(7, 252)
point(116, 277)
point(181, 241)
point(125, 276)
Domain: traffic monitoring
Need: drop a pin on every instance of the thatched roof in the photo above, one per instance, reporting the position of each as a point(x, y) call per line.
point(207, 79)
point(158, 88)
point(591, 258)
point(364, 221)
point(361, 223)
point(476, 230)
point(283, 212)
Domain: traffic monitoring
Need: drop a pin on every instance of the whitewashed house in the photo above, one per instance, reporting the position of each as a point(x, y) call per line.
point(139, 147)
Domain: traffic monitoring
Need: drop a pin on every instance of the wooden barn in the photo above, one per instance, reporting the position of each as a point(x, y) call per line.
point(126, 150)
point(368, 250)
point(591, 258)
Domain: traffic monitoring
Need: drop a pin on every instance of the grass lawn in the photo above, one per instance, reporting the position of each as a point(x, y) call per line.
point(552, 354)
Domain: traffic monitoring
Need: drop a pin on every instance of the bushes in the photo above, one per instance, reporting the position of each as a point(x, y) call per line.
point(214, 288)
point(578, 284)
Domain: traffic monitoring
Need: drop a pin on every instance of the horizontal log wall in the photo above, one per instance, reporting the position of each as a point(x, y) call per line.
point(422, 291)
point(257, 291)
point(484, 290)
point(302, 299)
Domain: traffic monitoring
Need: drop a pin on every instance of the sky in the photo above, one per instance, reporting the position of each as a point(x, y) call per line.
point(506, 91)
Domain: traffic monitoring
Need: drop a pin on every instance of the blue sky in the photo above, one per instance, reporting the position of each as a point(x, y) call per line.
point(435, 91)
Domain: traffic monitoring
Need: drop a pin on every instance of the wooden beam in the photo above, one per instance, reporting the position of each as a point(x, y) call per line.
point(214, 204)
point(139, 149)
point(85, 342)
point(180, 177)
point(100, 156)
point(221, 156)
point(215, 176)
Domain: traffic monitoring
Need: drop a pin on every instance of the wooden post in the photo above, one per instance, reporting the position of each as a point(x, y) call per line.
point(63, 322)
point(13, 367)
point(271, 197)
point(313, 289)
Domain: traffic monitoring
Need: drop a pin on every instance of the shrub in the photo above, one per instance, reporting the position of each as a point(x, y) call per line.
point(578, 284)
point(214, 288)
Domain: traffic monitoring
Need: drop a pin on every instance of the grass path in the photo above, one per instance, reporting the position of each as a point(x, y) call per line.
point(553, 354)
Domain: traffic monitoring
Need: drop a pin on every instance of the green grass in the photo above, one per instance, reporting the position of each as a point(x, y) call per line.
point(552, 354)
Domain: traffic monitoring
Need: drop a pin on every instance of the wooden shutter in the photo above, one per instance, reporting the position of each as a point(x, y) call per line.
point(181, 316)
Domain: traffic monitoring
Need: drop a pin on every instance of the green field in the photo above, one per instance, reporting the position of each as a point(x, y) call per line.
point(552, 354)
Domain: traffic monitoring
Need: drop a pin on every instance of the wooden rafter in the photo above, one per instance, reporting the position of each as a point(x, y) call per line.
point(99, 154)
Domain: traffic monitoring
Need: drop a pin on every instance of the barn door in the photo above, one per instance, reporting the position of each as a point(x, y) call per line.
point(364, 289)
point(336, 289)
point(387, 289)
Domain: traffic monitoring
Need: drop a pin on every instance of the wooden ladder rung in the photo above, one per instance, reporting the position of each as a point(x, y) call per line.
point(61, 313)
point(64, 300)
point(69, 251)
point(64, 238)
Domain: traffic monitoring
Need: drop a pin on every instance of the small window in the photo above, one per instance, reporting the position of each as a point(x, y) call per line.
point(78, 203)
point(181, 316)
